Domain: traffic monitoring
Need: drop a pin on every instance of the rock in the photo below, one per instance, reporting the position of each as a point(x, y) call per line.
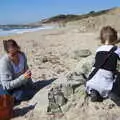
point(84, 66)
point(79, 75)
point(79, 107)
point(59, 70)
point(81, 53)
point(50, 58)
point(80, 78)
point(67, 90)
point(56, 100)
point(59, 94)
point(44, 59)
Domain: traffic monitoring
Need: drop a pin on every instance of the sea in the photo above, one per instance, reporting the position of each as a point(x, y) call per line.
point(13, 31)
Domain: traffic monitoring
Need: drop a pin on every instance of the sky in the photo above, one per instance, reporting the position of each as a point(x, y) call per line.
point(27, 11)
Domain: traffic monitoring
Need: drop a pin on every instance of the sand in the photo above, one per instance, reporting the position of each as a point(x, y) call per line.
point(51, 54)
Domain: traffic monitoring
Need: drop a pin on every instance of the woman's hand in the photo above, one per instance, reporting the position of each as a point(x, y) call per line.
point(27, 74)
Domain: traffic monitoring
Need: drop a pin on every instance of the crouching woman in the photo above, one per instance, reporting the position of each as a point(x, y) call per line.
point(15, 77)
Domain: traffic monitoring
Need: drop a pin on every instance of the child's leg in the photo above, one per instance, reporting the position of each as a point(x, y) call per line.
point(95, 96)
point(115, 98)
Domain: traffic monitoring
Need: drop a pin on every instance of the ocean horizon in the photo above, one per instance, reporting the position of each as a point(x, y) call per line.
point(23, 30)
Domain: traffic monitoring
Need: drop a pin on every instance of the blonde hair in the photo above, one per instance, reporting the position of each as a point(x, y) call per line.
point(109, 34)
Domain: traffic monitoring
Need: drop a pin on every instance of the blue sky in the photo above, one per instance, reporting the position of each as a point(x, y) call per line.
point(26, 11)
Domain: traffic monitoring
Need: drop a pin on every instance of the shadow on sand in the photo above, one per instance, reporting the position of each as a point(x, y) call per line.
point(35, 88)
point(22, 111)
point(41, 84)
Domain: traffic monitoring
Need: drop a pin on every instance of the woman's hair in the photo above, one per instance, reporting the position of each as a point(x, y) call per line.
point(109, 34)
point(10, 43)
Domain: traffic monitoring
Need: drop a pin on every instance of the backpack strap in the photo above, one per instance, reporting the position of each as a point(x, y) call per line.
point(97, 68)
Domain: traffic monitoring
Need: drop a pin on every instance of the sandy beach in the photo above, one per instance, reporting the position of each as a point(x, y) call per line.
point(60, 39)
point(55, 53)
point(57, 45)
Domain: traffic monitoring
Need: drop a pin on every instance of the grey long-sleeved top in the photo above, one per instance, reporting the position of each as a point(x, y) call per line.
point(8, 79)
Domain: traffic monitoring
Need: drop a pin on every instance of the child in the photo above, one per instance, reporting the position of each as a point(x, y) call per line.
point(101, 84)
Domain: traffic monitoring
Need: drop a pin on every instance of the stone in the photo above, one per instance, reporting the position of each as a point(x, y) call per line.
point(67, 90)
point(44, 59)
point(75, 77)
point(84, 66)
point(56, 100)
point(81, 53)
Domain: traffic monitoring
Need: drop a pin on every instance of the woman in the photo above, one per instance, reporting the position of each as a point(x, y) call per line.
point(15, 77)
